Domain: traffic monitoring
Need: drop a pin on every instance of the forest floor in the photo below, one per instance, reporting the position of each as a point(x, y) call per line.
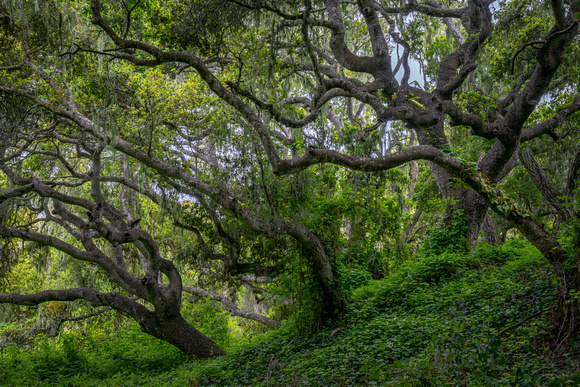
point(442, 320)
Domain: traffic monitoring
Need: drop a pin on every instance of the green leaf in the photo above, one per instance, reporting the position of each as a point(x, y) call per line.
point(375, 373)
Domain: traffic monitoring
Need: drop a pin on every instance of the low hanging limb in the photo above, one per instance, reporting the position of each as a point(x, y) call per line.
point(54, 329)
point(232, 307)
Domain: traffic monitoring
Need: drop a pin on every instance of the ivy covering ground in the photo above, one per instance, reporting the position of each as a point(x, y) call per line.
point(434, 321)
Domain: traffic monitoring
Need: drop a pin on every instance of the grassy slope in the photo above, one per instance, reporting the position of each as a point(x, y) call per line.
point(433, 322)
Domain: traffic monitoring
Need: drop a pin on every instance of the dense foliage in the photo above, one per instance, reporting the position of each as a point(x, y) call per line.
point(308, 172)
point(433, 322)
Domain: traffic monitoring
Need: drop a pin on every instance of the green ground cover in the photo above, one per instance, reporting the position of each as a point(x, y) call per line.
point(435, 321)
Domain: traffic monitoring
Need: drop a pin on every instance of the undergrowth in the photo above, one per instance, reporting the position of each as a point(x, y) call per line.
point(435, 321)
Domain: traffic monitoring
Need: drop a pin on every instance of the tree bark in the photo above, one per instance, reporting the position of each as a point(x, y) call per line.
point(548, 191)
point(181, 334)
point(489, 231)
point(168, 326)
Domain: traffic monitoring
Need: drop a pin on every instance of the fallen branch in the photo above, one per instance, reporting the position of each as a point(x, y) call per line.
point(523, 321)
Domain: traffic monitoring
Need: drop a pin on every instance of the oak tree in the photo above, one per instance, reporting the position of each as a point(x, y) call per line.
point(238, 94)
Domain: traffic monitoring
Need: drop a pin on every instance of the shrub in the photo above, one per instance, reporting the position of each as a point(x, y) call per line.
point(441, 240)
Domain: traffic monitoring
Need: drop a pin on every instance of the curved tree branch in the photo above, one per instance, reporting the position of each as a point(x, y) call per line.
point(546, 127)
point(231, 306)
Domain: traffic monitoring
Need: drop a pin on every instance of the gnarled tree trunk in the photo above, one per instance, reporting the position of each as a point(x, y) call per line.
point(181, 334)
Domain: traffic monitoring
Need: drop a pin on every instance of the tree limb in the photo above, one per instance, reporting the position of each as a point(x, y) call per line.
point(234, 310)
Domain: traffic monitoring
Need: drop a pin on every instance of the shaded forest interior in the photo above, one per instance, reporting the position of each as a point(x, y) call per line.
point(253, 192)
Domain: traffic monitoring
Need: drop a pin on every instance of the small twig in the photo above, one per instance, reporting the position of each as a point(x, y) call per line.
point(128, 12)
point(523, 321)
